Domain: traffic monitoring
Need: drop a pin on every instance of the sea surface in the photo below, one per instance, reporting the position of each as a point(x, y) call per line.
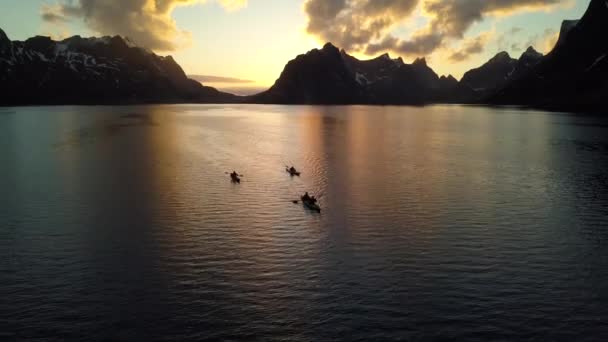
point(441, 222)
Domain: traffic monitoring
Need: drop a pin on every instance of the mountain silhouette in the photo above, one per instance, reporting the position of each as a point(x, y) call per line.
point(93, 71)
point(491, 76)
point(574, 75)
point(331, 76)
point(318, 77)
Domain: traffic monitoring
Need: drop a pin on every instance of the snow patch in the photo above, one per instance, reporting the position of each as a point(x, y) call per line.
point(510, 73)
point(105, 66)
point(93, 71)
point(8, 61)
point(361, 79)
point(597, 60)
point(103, 40)
point(42, 57)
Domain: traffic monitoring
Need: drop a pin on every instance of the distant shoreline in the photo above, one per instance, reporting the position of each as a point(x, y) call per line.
point(591, 110)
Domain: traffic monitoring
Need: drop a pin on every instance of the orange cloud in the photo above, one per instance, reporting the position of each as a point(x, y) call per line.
point(147, 22)
point(470, 47)
point(367, 25)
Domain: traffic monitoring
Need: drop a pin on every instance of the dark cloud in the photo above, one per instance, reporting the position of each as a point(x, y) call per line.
point(354, 24)
point(217, 79)
point(470, 47)
point(365, 25)
point(147, 22)
point(454, 17)
point(53, 15)
point(419, 45)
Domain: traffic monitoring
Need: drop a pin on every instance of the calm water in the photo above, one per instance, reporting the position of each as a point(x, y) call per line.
point(120, 224)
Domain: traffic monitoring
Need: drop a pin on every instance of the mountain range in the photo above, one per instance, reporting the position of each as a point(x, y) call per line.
point(93, 71)
point(573, 76)
point(331, 76)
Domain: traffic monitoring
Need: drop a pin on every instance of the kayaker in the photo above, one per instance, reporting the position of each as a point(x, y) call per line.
point(306, 197)
point(292, 169)
point(233, 174)
point(313, 199)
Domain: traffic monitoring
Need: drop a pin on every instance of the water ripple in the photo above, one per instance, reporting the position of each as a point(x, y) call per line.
point(460, 223)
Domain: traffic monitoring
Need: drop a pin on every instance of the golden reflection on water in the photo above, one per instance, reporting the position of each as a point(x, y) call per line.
point(130, 208)
point(174, 160)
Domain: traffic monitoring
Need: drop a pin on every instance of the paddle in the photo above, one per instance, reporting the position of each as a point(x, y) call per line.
point(229, 173)
point(317, 209)
point(295, 173)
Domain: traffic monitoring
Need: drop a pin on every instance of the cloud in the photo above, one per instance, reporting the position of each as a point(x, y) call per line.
point(218, 79)
point(54, 23)
point(147, 22)
point(53, 14)
point(421, 44)
point(544, 41)
point(367, 25)
point(470, 47)
point(354, 24)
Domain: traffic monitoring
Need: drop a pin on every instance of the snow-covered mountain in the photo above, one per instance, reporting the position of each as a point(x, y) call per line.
point(93, 70)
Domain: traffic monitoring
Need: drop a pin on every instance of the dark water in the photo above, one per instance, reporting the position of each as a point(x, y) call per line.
point(119, 224)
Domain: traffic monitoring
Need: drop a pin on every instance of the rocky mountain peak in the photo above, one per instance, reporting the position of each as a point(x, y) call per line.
point(500, 57)
point(420, 61)
point(3, 37)
point(5, 43)
point(330, 48)
point(531, 54)
point(566, 28)
point(93, 70)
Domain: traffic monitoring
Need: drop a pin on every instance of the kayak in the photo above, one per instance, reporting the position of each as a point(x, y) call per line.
point(310, 205)
point(235, 179)
point(293, 173)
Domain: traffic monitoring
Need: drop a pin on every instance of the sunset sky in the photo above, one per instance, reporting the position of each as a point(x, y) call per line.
point(252, 40)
